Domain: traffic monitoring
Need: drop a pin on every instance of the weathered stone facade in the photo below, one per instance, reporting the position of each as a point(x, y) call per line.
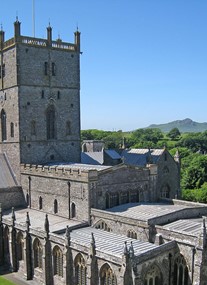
point(40, 99)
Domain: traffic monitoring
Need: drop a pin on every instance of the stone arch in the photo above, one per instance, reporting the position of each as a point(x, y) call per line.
point(73, 210)
point(3, 125)
point(80, 270)
point(38, 253)
point(12, 129)
point(57, 261)
point(40, 203)
point(165, 191)
point(55, 206)
point(131, 234)
point(153, 275)
point(51, 122)
point(102, 225)
point(107, 276)
point(180, 271)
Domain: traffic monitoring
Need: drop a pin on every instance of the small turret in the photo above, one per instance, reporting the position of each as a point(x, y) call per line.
point(77, 40)
point(49, 35)
point(17, 28)
point(2, 38)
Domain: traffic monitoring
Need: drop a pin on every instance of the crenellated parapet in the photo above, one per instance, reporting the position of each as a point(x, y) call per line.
point(39, 42)
point(66, 172)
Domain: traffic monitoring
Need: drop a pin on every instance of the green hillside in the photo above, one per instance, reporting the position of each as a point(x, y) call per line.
point(184, 126)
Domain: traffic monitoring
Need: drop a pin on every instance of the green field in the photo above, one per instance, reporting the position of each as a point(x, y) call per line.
point(3, 281)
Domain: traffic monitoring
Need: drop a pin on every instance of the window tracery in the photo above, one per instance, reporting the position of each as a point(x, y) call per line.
point(58, 261)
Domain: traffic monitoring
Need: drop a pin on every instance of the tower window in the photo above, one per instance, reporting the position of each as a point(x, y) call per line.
point(68, 128)
point(50, 118)
point(3, 125)
point(55, 206)
point(43, 94)
point(46, 68)
point(2, 71)
point(12, 130)
point(58, 95)
point(33, 128)
point(53, 69)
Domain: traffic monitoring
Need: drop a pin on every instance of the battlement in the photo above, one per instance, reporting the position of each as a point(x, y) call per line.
point(67, 172)
point(38, 42)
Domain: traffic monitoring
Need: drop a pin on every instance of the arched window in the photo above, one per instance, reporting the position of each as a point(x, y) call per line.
point(73, 210)
point(134, 196)
point(33, 128)
point(3, 125)
point(58, 261)
point(153, 276)
point(103, 226)
point(165, 191)
point(12, 130)
point(37, 247)
point(6, 244)
point(180, 271)
point(55, 206)
point(40, 203)
point(132, 234)
point(107, 277)
point(124, 197)
point(68, 128)
point(50, 119)
point(80, 270)
point(20, 246)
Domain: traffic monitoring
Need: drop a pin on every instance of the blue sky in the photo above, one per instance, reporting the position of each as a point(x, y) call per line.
point(143, 61)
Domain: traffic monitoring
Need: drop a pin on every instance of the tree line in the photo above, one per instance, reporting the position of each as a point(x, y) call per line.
point(192, 148)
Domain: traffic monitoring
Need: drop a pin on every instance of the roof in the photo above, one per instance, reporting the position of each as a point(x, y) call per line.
point(6, 175)
point(145, 211)
point(109, 242)
point(112, 153)
point(96, 158)
point(80, 166)
point(141, 156)
point(188, 226)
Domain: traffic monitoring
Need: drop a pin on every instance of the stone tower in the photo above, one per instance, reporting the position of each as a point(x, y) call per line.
point(39, 99)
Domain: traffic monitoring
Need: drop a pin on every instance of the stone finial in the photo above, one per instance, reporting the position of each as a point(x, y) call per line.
point(177, 156)
point(17, 29)
point(47, 225)
point(67, 236)
point(49, 34)
point(13, 216)
point(77, 40)
point(28, 221)
point(93, 244)
point(0, 213)
point(125, 248)
point(131, 250)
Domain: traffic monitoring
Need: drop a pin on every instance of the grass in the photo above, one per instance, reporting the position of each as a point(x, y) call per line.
point(4, 281)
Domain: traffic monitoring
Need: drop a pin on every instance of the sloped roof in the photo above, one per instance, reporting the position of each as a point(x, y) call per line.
point(187, 226)
point(112, 153)
point(6, 175)
point(95, 158)
point(141, 156)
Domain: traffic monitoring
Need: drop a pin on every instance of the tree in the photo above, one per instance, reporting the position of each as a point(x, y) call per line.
point(174, 133)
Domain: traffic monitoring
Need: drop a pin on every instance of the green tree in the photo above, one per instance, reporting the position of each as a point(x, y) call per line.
point(174, 134)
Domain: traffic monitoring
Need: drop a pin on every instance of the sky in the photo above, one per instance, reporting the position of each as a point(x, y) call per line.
point(143, 62)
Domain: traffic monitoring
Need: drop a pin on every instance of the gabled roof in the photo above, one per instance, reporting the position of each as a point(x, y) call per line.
point(6, 175)
point(141, 157)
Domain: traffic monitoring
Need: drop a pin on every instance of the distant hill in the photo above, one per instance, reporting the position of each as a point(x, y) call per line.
point(184, 126)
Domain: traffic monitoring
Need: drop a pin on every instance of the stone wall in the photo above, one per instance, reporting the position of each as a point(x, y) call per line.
point(12, 197)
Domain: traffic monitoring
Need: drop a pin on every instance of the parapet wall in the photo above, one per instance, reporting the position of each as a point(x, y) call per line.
point(72, 172)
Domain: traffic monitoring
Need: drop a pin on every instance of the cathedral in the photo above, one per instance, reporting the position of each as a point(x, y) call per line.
point(90, 216)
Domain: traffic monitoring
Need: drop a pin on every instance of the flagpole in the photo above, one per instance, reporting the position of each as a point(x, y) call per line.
point(33, 17)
